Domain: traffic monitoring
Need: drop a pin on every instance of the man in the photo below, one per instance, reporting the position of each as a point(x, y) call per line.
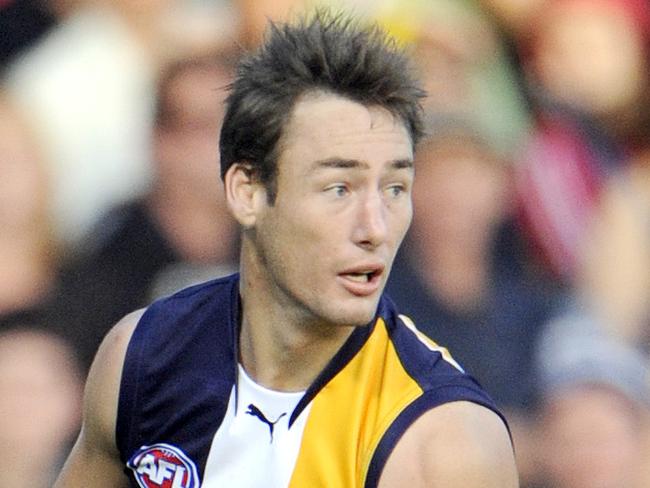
point(297, 372)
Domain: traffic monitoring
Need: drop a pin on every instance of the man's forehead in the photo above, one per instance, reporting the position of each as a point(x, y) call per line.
point(324, 119)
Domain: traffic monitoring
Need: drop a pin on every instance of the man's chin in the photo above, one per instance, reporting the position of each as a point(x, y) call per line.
point(348, 312)
point(356, 318)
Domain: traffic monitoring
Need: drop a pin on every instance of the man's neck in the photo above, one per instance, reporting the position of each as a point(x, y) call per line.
point(279, 349)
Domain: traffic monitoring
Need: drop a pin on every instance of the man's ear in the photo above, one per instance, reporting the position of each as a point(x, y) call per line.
point(244, 193)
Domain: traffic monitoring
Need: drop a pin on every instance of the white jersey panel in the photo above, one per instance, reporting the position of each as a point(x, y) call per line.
point(254, 446)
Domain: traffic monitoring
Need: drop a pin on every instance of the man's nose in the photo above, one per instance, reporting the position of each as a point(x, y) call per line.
point(371, 226)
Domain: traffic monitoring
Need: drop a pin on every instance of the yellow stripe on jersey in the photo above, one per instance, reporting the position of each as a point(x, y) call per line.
point(431, 344)
point(350, 415)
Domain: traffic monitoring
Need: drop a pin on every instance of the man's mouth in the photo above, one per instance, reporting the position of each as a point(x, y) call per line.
point(362, 281)
point(360, 277)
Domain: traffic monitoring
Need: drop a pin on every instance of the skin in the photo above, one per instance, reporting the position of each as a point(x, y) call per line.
point(456, 445)
point(343, 206)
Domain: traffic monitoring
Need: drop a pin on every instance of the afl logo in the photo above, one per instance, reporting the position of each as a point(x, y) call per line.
point(163, 466)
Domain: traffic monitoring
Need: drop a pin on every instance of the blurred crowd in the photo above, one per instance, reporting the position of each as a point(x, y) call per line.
point(529, 253)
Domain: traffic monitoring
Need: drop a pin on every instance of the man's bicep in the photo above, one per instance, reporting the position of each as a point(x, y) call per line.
point(94, 460)
point(460, 444)
point(90, 466)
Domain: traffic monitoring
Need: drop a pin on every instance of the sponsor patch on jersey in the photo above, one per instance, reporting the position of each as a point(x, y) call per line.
point(163, 466)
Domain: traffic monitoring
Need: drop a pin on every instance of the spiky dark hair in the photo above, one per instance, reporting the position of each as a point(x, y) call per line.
point(326, 52)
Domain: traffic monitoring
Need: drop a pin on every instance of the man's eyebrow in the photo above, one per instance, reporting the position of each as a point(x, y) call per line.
point(402, 163)
point(354, 163)
point(338, 163)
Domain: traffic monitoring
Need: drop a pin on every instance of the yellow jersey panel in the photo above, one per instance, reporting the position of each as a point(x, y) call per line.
point(350, 415)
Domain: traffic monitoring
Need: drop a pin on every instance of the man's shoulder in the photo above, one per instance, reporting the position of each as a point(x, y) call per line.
point(458, 444)
point(444, 385)
point(198, 312)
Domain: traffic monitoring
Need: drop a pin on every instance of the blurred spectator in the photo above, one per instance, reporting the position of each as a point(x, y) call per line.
point(28, 250)
point(593, 423)
point(612, 278)
point(585, 182)
point(181, 221)
point(587, 66)
point(460, 275)
point(591, 56)
point(614, 274)
point(559, 179)
point(88, 85)
point(40, 405)
point(464, 67)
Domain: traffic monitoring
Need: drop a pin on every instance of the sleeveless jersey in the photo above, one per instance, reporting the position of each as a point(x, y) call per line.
point(180, 422)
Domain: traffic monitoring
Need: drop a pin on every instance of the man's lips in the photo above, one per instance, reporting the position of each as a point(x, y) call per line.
point(362, 280)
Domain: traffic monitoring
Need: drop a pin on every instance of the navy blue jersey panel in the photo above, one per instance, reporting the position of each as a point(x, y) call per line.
point(179, 371)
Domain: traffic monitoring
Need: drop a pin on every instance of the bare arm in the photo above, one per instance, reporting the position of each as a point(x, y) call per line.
point(457, 445)
point(94, 460)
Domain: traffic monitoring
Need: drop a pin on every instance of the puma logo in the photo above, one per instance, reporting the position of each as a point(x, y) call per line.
point(256, 412)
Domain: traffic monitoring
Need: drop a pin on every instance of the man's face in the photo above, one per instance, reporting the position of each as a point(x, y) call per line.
point(343, 205)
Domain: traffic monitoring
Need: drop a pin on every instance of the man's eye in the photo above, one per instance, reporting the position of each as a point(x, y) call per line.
point(338, 190)
point(396, 190)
